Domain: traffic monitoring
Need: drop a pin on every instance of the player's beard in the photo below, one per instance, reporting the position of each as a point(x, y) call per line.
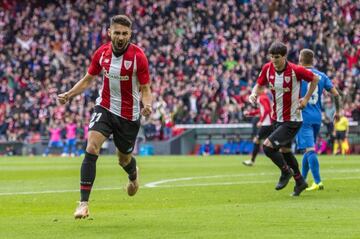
point(119, 46)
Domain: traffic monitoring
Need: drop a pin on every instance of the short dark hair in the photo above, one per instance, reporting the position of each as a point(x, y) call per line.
point(278, 48)
point(122, 20)
point(307, 56)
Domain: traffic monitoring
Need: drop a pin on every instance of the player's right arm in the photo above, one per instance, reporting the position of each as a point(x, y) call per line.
point(94, 69)
point(257, 90)
point(260, 83)
point(78, 88)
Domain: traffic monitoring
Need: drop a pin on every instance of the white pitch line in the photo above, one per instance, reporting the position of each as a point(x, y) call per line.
point(235, 183)
point(155, 184)
point(160, 183)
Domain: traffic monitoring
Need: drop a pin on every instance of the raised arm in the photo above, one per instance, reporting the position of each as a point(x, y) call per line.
point(77, 89)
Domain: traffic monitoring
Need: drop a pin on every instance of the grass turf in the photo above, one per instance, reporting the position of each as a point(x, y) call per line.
point(180, 197)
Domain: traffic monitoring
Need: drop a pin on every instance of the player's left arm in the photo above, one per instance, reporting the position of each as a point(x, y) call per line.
point(144, 80)
point(146, 99)
point(307, 75)
point(336, 96)
point(328, 85)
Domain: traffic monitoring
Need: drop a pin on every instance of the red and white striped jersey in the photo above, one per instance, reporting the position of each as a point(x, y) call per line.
point(122, 76)
point(285, 88)
point(265, 109)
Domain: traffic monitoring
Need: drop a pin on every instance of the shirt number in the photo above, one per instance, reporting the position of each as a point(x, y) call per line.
point(314, 97)
point(94, 118)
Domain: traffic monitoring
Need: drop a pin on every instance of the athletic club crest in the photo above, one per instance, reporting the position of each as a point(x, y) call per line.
point(287, 79)
point(127, 64)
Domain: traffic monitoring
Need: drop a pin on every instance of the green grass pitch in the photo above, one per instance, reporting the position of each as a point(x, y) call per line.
point(180, 197)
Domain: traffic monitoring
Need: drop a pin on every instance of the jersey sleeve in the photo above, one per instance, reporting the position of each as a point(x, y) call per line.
point(262, 79)
point(142, 68)
point(327, 83)
point(95, 67)
point(303, 74)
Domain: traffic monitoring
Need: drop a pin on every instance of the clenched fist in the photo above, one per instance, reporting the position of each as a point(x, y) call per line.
point(63, 98)
point(302, 103)
point(146, 111)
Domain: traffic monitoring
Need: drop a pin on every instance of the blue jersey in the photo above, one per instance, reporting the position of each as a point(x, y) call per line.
point(312, 112)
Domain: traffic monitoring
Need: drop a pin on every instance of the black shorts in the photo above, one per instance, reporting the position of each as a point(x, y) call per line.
point(124, 131)
point(255, 129)
point(284, 133)
point(264, 132)
point(340, 135)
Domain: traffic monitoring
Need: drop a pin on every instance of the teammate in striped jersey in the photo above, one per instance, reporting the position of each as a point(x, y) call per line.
point(284, 80)
point(264, 125)
point(117, 110)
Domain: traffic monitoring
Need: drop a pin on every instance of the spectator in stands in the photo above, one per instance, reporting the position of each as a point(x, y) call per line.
point(150, 130)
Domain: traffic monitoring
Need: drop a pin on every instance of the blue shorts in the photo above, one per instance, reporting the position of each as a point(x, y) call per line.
point(306, 136)
point(55, 144)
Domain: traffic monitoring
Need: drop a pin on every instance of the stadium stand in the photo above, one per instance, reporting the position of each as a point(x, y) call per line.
point(204, 56)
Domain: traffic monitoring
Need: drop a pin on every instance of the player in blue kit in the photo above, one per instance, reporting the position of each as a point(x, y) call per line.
point(306, 137)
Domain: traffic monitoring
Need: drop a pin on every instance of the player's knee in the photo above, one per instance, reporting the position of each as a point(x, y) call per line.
point(285, 150)
point(309, 149)
point(93, 149)
point(269, 151)
point(124, 159)
point(268, 143)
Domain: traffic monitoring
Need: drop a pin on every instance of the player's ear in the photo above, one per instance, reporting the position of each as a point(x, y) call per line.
point(108, 32)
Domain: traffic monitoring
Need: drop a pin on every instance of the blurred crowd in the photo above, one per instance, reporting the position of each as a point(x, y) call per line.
point(204, 56)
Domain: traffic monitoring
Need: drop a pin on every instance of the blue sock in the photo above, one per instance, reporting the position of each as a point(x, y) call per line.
point(305, 166)
point(314, 166)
